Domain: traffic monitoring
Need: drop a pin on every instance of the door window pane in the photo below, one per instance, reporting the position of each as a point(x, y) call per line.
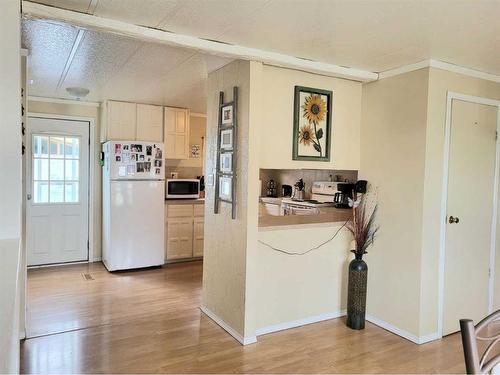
point(41, 169)
point(72, 148)
point(56, 170)
point(71, 192)
point(41, 192)
point(56, 192)
point(57, 147)
point(40, 146)
point(72, 170)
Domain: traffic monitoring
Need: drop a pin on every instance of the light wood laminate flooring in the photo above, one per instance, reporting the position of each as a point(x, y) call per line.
point(148, 321)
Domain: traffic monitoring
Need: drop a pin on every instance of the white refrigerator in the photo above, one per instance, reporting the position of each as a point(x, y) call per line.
point(133, 191)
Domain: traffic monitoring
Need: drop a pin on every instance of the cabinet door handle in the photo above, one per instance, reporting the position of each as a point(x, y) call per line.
point(453, 220)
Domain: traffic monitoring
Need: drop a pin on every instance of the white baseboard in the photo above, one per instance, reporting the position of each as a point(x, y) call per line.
point(315, 319)
point(97, 259)
point(299, 322)
point(428, 338)
point(243, 340)
point(401, 332)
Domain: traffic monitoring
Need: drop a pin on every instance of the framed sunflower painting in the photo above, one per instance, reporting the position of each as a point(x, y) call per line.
point(312, 124)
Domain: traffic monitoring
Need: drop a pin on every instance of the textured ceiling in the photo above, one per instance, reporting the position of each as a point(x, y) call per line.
point(374, 35)
point(114, 67)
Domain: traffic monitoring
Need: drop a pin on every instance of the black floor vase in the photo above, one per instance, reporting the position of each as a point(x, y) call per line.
point(356, 293)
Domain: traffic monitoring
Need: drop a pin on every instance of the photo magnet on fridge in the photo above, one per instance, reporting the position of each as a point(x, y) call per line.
point(157, 163)
point(118, 158)
point(158, 154)
point(149, 150)
point(140, 167)
point(136, 148)
point(157, 171)
point(130, 169)
point(118, 148)
point(122, 171)
point(147, 166)
point(141, 157)
point(126, 147)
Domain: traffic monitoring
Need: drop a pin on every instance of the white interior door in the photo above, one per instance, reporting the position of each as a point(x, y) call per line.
point(57, 222)
point(471, 175)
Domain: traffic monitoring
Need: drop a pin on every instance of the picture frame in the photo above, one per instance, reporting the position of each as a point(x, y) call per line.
point(225, 188)
point(312, 128)
point(226, 139)
point(227, 114)
point(226, 162)
point(195, 151)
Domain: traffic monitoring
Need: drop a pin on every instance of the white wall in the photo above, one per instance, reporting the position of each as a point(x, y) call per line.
point(10, 120)
point(393, 145)
point(224, 264)
point(277, 119)
point(440, 82)
point(79, 110)
point(402, 146)
point(11, 185)
point(263, 297)
point(299, 287)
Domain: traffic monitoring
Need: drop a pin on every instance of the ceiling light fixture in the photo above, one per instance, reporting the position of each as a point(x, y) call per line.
point(78, 92)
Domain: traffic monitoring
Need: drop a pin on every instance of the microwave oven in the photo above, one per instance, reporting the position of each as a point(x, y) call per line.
point(179, 188)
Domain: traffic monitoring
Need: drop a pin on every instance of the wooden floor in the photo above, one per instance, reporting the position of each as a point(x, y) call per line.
point(149, 321)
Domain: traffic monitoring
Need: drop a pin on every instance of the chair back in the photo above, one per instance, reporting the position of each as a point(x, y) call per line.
point(474, 363)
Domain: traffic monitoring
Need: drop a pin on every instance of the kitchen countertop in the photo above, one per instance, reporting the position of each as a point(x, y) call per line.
point(185, 201)
point(327, 215)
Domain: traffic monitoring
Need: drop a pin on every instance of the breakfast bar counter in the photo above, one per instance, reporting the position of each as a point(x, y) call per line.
point(327, 215)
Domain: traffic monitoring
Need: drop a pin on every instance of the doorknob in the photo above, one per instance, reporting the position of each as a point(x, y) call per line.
point(453, 220)
point(29, 197)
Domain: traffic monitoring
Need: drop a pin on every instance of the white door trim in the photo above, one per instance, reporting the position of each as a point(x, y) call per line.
point(92, 164)
point(444, 198)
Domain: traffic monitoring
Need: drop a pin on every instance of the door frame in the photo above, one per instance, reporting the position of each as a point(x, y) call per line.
point(451, 95)
point(91, 179)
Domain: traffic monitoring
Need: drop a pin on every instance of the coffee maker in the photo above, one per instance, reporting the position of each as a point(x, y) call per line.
point(341, 198)
point(346, 191)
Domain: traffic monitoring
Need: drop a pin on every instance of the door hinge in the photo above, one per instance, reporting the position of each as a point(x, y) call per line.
point(496, 135)
point(88, 245)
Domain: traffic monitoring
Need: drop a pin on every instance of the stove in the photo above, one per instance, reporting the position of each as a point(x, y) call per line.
point(306, 202)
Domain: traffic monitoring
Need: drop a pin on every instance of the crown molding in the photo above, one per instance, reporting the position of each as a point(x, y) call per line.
point(147, 34)
point(404, 69)
point(440, 65)
point(464, 70)
point(62, 101)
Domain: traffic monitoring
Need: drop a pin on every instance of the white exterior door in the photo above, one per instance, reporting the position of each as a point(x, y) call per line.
point(471, 175)
point(57, 218)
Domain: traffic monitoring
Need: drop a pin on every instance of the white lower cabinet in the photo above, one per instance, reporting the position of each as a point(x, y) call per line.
point(184, 231)
point(198, 227)
point(179, 238)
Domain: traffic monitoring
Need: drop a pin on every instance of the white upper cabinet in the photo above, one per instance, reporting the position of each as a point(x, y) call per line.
point(149, 123)
point(121, 121)
point(176, 133)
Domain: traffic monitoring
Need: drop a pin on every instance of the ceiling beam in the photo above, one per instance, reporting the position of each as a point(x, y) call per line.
point(88, 21)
